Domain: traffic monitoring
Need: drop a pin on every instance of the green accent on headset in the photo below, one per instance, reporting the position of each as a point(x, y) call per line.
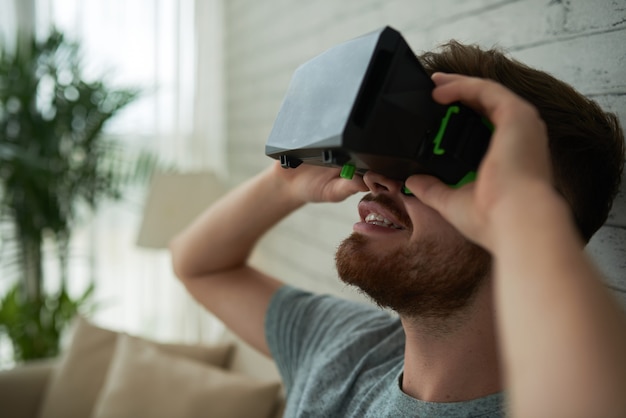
point(487, 123)
point(406, 191)
point(347, 171)
point(468, 178)
point(437, 150)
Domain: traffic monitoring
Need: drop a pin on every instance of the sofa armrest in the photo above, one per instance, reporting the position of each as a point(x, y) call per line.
point(23, 387)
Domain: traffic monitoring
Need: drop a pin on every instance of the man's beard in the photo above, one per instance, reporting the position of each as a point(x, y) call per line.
point(427, 279)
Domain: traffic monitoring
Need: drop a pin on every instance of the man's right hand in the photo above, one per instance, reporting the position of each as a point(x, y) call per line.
point(211, 255)
point(309, 183)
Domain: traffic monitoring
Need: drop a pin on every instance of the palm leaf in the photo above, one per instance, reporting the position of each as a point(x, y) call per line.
point(54, 160)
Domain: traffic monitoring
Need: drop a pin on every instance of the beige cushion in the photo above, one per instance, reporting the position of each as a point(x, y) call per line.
point(75, 386)
point(146, 382)
point(22, 388)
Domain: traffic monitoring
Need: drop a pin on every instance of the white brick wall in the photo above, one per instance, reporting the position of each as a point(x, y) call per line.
point(580, 41)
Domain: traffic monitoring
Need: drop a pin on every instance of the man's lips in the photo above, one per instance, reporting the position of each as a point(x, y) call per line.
point(382, 211)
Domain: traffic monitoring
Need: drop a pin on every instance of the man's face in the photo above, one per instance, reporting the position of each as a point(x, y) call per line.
point(406, 257)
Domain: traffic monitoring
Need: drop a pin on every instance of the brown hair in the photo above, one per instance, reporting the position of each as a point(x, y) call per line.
point(586, 143)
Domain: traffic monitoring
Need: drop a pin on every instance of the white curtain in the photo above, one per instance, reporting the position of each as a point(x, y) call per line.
point(172, 50)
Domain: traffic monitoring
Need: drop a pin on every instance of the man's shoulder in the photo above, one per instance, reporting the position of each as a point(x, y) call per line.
point(301, 303)
point(307, 325)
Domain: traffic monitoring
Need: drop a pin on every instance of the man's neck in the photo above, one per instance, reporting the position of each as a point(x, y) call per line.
point(453, 359)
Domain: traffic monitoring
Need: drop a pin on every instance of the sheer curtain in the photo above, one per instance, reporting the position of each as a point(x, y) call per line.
point(172, 50)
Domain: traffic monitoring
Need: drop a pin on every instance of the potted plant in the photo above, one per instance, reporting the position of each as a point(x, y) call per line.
point(54, 161)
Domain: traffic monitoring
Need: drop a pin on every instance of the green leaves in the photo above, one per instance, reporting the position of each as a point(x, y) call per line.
point(52, 152)
point(35, 326)
point(53, 161)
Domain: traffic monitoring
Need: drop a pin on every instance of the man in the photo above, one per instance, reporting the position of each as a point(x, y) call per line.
point(489, 281)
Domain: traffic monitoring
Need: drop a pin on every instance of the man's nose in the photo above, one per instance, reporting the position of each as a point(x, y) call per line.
point(377, 183)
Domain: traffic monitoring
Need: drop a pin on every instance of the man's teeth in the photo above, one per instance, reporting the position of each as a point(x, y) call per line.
point(376, 219)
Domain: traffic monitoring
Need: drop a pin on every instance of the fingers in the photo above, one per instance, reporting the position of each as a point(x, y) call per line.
point(429, 190)
point(485, 96)
point(518, 154)
point(434, 193)
point(344, 188)
point(476, 92)
point(520, 139)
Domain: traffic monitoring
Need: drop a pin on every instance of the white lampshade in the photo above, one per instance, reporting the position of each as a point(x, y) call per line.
point(174, 201)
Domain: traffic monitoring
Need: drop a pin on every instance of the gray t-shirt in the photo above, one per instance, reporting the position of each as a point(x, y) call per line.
point(342, 359)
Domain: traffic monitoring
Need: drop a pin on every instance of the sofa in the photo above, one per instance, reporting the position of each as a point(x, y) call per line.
point(106, 374)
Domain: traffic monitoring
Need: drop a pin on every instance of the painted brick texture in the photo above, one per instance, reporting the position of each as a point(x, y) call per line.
point(582, 42)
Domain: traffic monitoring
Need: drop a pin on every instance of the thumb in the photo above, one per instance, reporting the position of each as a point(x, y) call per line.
point(430, 190)
point(454, 205)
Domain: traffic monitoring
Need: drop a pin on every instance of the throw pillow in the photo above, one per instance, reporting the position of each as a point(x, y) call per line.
point(80, 374)
point(146, 382)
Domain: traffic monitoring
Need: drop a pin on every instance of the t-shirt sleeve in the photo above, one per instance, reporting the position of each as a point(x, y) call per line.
point(299, 325)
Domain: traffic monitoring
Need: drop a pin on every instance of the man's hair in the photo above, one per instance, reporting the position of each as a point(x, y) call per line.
point(586, 143)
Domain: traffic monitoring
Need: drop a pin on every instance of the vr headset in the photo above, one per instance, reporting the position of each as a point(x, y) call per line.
point(366, 104)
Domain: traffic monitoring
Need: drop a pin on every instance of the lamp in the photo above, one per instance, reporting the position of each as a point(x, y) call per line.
point(173, 201)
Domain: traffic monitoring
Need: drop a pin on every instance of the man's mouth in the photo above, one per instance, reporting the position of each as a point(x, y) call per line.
point(379, 220)
point(382, 211)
